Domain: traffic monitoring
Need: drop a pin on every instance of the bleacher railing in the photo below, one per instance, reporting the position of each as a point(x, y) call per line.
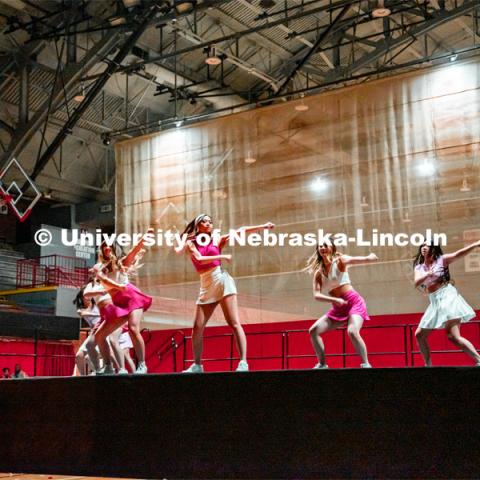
point(52, 270)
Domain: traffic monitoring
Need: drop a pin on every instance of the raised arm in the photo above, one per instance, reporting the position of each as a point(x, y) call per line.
point(348, 260)
point(192, 249)
point(452, 257)
point(129, 258)
point(247, 229)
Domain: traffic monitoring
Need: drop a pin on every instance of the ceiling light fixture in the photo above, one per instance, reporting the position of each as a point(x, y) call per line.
point(380, 11)
point(250, 158)
point(212, 57)
point(266, 4)
point(131, 3)
point(465, 186)
point(301, 107)
point(80, 96)
point(184, 6)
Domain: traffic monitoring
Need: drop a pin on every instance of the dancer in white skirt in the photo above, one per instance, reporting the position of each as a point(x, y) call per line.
point(447, 309)
point(216, 287)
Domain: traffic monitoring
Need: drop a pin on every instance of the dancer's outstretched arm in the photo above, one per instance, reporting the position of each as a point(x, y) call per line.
point(247, 229)
point(348, 260)
point(452, 257)
point(129, 258)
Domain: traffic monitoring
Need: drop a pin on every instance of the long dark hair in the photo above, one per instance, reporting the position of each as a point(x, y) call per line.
point(78, 300)
point(191, 228)
point(435, 251)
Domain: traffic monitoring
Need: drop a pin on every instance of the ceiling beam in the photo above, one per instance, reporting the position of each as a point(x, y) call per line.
point(389, 45)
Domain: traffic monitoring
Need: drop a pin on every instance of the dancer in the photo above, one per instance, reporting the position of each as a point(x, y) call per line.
point(447, 309)
point(125, 343)
point(216, 287)
point(127, 302)
point(89, 350)
point(329, 269)
point(88, 311)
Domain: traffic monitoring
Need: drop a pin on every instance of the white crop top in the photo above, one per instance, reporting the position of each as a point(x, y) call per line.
point(116, 276)
point(336, 278)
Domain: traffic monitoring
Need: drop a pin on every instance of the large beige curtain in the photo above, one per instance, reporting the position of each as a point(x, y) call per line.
point(360, 157)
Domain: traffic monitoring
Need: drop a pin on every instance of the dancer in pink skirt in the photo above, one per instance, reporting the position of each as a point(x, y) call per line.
point(126, 304)
point(329, 269)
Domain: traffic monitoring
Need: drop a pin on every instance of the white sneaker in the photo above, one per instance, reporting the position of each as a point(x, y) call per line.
point(123, 371)
point(194, 368)
point(320, 366)
point(106, 370)
point(242, 366)
point(365, 365)
point(141, 369)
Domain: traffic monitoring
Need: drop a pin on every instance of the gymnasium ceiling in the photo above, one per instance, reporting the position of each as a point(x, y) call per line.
point(140, 66)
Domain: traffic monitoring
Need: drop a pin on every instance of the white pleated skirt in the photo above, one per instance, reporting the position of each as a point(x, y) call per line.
point(446, 304)
point(215, 284)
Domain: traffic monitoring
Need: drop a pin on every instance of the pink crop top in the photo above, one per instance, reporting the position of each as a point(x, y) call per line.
point(209, 250)
point(438, 268)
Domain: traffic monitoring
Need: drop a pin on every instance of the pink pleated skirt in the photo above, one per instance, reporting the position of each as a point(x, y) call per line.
point(355, 306)
point(124, 302)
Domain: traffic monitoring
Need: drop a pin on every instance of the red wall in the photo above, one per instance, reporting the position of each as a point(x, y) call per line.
point(384, 335)
point(14, 351)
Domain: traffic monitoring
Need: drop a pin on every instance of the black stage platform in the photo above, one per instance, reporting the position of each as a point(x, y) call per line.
point(378, 423)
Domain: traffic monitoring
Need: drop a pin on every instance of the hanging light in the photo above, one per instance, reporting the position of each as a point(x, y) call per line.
point(184, 6)
point(364, 202)
point(80, 96)
point(250, 158)
point(465, 186)
point(380, 10)
point(212, 57)
point(301, 107)
point(266, 4)
point(406, 218)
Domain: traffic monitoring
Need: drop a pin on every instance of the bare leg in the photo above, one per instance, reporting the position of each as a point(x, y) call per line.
point(134, 320)
point(128, 359)
point(421, 334)
point(92, 351)
point(355, 323)
point(322, 325)
point(116, 350)
point(230, 311)
point(80, 362)
point(202, 315)
point(453, 334)
point(101, 337)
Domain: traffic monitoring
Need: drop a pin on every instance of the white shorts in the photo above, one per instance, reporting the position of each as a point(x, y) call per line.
point(215, 284)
